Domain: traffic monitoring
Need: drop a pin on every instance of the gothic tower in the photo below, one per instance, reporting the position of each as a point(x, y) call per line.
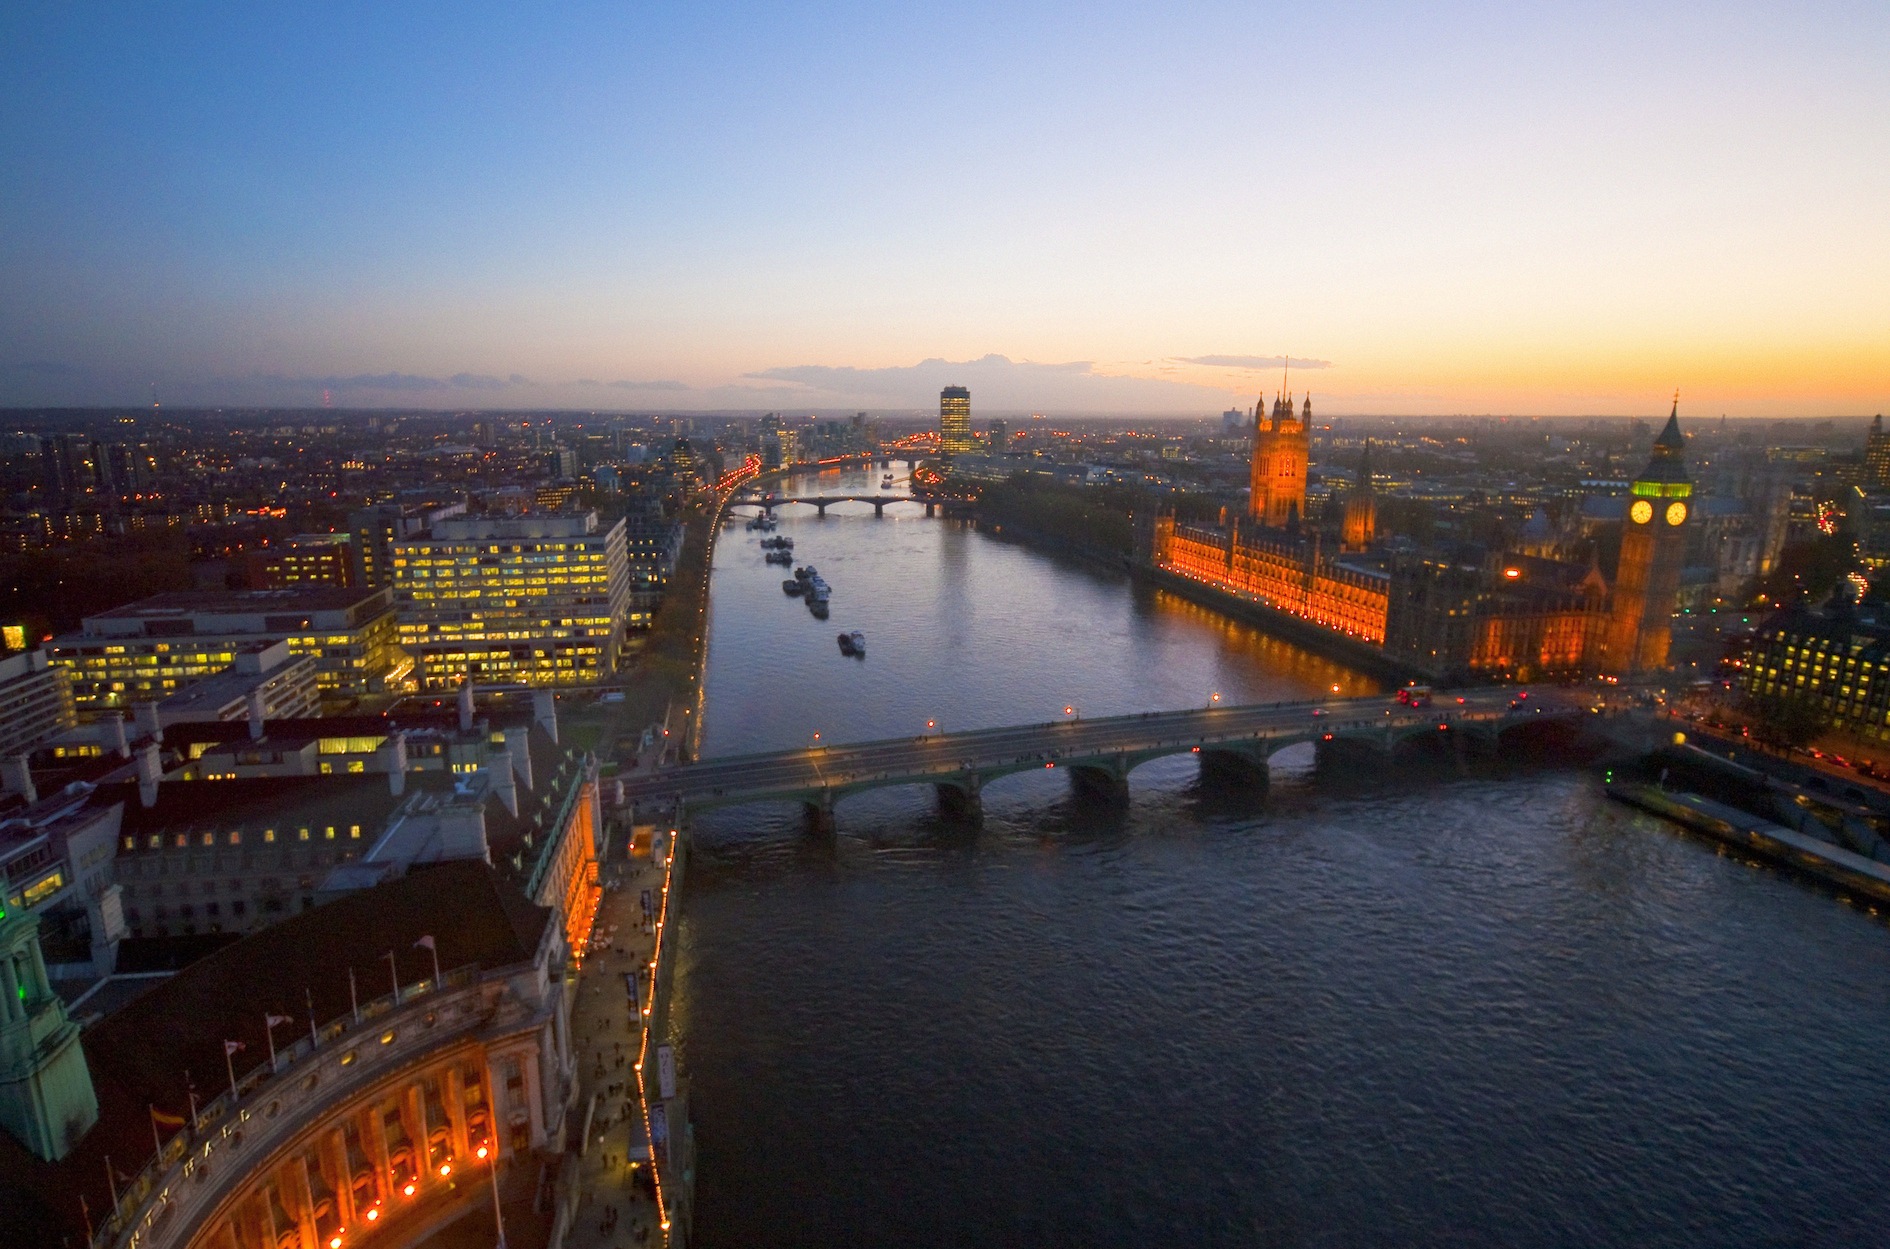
point(1653, 545)
point(1361, 507)
point(1279, 463)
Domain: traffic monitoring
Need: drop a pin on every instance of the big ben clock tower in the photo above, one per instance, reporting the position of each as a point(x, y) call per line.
point(1653, 546)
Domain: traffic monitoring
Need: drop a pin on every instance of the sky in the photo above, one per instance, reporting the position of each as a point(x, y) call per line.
point(1550, 208)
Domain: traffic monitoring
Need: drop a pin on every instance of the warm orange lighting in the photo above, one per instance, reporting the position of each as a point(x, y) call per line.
point(374, 1212)
point(334, 1242)
point(446, 1168)
point(1512, 573)
point(482, 1151)
point(408, 1190)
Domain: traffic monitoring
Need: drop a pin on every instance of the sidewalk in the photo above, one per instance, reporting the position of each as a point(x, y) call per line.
point(616, 1206)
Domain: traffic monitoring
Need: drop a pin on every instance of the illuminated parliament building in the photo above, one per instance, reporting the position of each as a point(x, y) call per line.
point(1456, 611)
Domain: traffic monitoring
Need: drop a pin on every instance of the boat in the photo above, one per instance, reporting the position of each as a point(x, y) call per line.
point(846, 644)
point(819, 608)
point(792, 587)
point(885, 483)
point(857, 641)
point(779, 557)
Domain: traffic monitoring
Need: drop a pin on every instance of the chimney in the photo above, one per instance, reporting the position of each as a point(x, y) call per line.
point(150, 773)
point(19, 778)
point(111, 736)
point(148, 722)
point(465, 706)
point(545, 712)
point(518, 745)
point(504, 783)
point(258, 714)
point(394, 759)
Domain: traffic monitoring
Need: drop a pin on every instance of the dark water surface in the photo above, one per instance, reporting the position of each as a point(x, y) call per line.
point(1458, 1012)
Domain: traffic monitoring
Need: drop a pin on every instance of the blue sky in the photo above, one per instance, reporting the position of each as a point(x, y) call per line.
point(1462, 207)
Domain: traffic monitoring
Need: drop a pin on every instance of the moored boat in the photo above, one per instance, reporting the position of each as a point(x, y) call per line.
point(793, 587)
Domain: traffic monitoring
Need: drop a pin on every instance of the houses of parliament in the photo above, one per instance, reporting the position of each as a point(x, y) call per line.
point(1457, 610)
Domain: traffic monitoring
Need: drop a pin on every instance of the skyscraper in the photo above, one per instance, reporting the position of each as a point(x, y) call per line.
point(1653, 545)
point(954, 421)
point(1278, 479)
point(1877, 457)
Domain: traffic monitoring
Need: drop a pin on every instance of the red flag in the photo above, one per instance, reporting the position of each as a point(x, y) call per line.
point(230, 1047)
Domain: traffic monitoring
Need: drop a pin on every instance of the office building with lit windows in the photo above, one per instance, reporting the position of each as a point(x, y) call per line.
point(151, 649)
point(536, 599)
point(954, 421)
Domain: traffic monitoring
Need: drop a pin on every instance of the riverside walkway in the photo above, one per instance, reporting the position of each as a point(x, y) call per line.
point(1099, 754)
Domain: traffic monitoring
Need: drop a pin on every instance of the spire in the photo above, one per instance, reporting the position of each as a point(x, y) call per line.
point(1670, 436)
point(1306, 412)
point(1364, 466)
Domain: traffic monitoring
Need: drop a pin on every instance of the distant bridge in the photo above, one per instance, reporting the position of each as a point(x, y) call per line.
point(824, 501)
point(1234, 743)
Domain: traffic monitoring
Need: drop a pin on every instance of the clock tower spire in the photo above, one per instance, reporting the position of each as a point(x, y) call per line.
point(1653, 547)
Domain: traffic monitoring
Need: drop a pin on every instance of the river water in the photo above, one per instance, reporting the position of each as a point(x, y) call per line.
point(1369, 1011)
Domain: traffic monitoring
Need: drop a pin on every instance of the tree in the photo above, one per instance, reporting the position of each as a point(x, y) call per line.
point(1784, 721)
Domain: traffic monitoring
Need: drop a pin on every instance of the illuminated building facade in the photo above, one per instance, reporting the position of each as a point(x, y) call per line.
point(35, 701)
point(954, 421)
point(1361, 507)
point(1838, 659)
point(310, 559)
point(148, 650)
point(1877, 456)
point(1288, 574)
point(539, 600)
point(1277, 497)
point(1653, 548)
point(373, 1119)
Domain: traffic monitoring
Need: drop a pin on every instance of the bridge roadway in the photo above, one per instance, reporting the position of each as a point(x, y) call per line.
point(1234, 743)
point(821, 502)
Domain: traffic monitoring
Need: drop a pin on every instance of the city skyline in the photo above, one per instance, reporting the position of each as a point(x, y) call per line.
point(1101, 212)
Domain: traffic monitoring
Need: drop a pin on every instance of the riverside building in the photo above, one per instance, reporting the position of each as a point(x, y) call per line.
point(536, 599)
point(151, 649)
point(1453, 610)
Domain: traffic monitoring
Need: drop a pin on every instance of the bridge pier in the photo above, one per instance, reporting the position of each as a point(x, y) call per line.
point(1235, 769)
point(879, 509)
point(1103, 781)
point(962, 800)
point(931, 509)
point(817, 814)
point(820, 505)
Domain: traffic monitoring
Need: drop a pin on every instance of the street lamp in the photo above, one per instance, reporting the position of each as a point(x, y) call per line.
point(1213, 699)
point(1070, 712)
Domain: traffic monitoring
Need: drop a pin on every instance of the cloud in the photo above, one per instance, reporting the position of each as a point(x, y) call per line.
point(997, 383)
point(660, 385)
point(1253, 362)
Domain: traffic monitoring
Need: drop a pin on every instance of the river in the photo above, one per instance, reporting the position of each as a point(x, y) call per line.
point(1376, 1011)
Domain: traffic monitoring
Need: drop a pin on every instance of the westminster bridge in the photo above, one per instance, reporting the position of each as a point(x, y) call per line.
point(1233, 742)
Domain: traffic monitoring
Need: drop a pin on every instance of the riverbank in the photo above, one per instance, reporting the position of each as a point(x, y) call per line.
point(1316, 638)
point(1786, 847)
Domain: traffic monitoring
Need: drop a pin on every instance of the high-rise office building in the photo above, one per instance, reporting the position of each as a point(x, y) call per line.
point(954, 421)
point(1000, 435)
point(534, 599)
point(1877, 457)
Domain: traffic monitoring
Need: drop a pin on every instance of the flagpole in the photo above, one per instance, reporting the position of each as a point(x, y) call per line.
point(354, 1002)
point(308, 996)
point(231, 1068)
point(269, 1030)
point(394, 967)
point(111, 1182)
point(156, 1144)
point(190, 1090)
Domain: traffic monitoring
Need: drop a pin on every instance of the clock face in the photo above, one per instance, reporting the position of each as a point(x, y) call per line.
point(1676, 512)
point(1642, 511)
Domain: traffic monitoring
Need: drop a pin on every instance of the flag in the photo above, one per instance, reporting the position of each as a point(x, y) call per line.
point(273, 1020)
point(426, 942)
point(230, 1047)
point(167, 1121)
